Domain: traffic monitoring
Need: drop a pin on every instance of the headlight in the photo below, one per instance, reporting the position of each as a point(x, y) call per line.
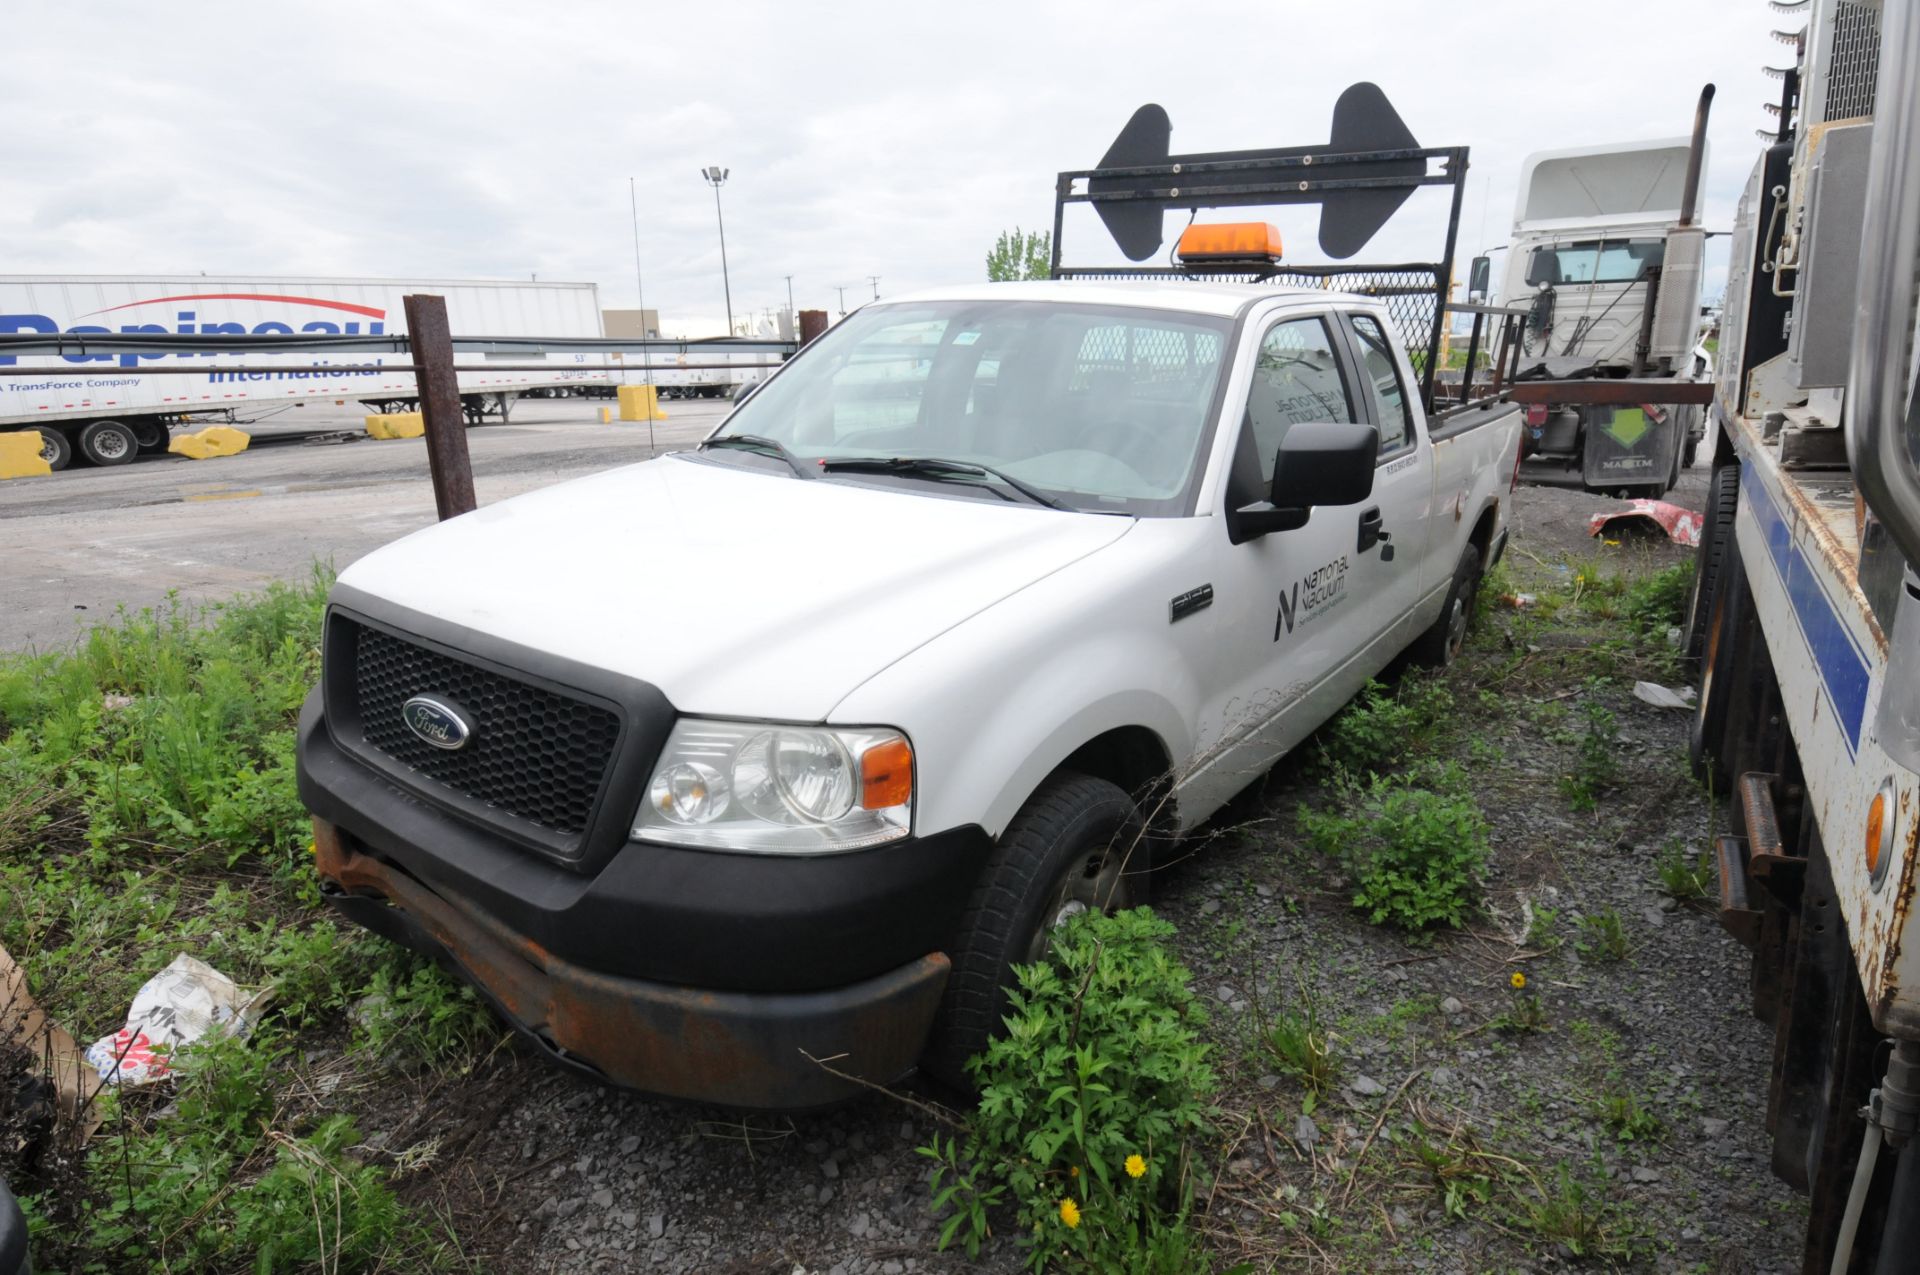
point(759, 786)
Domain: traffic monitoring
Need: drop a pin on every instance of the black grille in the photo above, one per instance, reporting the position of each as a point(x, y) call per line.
point(535, 754)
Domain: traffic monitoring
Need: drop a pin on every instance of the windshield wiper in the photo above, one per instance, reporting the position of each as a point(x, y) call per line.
point(940, 470)
point(763, 445)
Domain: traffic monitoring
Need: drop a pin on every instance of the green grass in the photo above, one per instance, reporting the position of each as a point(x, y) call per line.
point(147, 808)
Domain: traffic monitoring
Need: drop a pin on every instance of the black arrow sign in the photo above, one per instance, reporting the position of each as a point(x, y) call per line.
point(1378, 165)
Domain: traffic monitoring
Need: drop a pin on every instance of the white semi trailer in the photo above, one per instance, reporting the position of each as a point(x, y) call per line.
point(108, 407)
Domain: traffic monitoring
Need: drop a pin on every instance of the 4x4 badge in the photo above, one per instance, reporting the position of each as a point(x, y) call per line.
point(437, 722)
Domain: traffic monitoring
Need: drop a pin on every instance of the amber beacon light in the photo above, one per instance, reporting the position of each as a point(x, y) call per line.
point(1231, 241)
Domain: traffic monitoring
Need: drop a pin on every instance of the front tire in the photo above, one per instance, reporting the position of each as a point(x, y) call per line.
point(1079, 843)
point(1441, 644)
point(1709, 562)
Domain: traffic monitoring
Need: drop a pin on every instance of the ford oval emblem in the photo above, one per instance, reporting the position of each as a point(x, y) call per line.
point(437, 722)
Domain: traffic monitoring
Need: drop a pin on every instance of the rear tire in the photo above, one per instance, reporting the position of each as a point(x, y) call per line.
point(1442, 643)
point(1709, 561)
point(55, 449)
point(1078, 843)
point(107, 443)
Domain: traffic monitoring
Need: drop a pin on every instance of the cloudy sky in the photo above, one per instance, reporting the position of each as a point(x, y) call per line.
point(427, 138)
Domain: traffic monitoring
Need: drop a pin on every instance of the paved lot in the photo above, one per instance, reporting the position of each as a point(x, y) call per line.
point(79, 543)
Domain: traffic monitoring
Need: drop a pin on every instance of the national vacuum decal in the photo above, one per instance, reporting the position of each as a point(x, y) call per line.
point(189, 323)
point(1312, 596)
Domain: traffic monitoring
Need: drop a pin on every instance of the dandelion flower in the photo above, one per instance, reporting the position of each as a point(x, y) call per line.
point(1070, 1213)
point(1518, 981)
point(1136, 1167)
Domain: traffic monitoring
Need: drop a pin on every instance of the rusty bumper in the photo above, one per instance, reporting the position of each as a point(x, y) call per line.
point(739, 1049)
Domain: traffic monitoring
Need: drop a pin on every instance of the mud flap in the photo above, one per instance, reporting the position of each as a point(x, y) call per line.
point(1628, 445)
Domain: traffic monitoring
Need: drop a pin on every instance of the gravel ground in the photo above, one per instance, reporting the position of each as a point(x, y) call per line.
point(542, 1171)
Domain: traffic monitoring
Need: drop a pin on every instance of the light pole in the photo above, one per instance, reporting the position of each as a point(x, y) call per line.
point(717, 177)
point(874, 279)
point(791, 317)
point(842, 290)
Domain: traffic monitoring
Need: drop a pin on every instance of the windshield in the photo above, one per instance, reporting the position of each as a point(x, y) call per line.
point(1595, 261)
point(1100, 407)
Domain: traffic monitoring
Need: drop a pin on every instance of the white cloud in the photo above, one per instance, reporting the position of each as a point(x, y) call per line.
point(482, 139)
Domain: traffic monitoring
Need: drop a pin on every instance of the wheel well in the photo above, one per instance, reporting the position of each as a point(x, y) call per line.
point(1132, 758)
point(1482, 537)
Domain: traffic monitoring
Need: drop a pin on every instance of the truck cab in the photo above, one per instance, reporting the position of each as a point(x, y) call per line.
point(788, 748)
point(1606, 260)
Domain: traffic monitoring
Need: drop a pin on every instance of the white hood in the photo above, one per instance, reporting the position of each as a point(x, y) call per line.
point(735, 592)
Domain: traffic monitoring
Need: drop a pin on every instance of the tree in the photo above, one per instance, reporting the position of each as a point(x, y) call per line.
point(1020, 256)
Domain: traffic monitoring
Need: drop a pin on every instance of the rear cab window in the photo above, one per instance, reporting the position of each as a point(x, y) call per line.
point(1386, 389)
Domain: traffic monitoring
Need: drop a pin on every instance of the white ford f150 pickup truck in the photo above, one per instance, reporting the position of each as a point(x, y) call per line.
point(786, 748)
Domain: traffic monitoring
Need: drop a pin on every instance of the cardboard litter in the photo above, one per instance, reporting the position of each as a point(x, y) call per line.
point(23, 1021)
point(185, 1002)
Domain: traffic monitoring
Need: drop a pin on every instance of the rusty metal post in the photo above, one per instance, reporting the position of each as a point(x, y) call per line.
point(432, 344)
point(812, 324)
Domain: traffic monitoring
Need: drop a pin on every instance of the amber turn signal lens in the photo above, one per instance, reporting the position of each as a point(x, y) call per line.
point(886, 775)
point(1876, 832)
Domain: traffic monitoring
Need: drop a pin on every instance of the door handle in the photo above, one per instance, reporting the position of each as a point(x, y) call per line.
point(1370, 530)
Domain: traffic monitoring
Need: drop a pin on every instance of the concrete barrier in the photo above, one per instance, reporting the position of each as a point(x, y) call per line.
point(214, 440)
point(640, 403)
point(396, 425)
point(20, 454)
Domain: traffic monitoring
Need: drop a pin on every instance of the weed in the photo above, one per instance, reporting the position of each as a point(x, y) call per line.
point(1686, 879)
point(1301, 1045)
point(1622, 1113)
point(1543, 929)
point(1088, 1104)
point(1658, 602)
point(1416, 854)
point(1571, 1212)
point(412, 1013)
point(1526, 1013)
point(1597, 768)
point(1381, 726)
point(1603, 936)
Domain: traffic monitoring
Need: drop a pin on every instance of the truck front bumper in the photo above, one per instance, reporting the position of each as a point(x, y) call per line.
point(768, 1051)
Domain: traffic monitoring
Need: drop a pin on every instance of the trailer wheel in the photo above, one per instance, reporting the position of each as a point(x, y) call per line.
point(1064, 853)
point(55, 449)
point(1716, 538)
point(108, 443)
point(153, 437)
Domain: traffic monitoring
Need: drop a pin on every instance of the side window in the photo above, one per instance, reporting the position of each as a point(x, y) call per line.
point(1383, 382)
point(1295, 378)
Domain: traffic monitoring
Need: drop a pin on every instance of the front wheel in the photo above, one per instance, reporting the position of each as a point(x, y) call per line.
point(1442, 643)
point(1078, 844)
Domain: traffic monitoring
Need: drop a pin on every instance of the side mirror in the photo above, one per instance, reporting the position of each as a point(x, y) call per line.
point(1479, 279)
point(1320, 463)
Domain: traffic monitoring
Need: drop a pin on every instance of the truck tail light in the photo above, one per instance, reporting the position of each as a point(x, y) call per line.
point(1536, 414)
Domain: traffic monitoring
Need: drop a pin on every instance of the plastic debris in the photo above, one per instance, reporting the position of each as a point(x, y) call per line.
point(1518, 601)
point(1660, 697)
point(1681, 525)
point(185, 1002)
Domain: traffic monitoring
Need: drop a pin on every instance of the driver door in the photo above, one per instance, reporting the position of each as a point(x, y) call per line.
point(1294, 616)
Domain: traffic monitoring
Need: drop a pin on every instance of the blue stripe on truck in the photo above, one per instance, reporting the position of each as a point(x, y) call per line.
point(1843, 667)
